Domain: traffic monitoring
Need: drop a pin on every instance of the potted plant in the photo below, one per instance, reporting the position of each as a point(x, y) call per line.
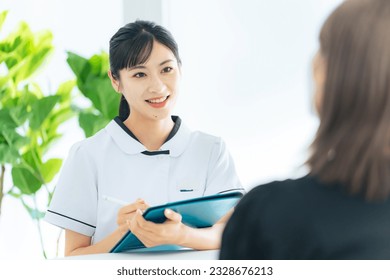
point(29, 119)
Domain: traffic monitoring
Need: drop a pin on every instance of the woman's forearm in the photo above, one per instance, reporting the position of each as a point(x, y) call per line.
point(203, 238)
point(206, 238)
point(73, 247)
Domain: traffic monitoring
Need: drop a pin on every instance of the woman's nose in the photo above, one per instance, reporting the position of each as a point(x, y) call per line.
point(157, 85)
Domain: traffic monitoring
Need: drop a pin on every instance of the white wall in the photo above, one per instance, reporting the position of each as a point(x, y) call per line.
point(246, 78)
point(246, 67)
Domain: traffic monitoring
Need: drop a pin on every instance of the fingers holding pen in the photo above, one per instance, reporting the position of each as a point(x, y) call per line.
point(127, 212)
point(132, 207)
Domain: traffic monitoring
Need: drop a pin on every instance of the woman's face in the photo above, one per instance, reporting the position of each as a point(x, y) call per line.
point(319, 77)
point(151, 88)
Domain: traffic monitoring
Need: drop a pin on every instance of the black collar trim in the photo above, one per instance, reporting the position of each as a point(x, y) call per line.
point(175, 129)
point(128, 131)
point(153, 153)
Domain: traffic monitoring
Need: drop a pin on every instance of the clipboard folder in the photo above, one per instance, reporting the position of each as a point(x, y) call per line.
point(197, 212)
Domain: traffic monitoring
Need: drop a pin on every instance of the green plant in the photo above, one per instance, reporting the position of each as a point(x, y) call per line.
point(94, 83)
point(29, 120)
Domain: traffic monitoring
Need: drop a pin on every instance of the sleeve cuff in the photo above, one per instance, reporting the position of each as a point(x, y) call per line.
point(66, 222)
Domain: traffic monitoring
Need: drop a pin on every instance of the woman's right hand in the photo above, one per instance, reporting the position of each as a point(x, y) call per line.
point(126, 213)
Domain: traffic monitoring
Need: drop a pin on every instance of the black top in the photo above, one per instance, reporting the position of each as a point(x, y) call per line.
point(305, 219)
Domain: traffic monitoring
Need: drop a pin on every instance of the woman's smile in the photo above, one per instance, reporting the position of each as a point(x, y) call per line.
point(157, 102)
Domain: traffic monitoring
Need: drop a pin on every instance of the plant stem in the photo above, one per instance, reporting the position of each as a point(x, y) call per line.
point(40, 236)
point(58, 242)
point(1, 185)
point(39, 230)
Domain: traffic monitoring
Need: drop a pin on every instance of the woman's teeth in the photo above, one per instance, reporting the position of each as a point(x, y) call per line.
point(158, 100)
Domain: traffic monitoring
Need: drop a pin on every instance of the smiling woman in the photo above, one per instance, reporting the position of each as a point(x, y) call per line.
point(150, 90)
point(145, 156)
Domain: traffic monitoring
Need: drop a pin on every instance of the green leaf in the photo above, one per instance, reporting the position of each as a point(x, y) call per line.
point(59, 117)
point(10, 102)
point(49, 142)
point(65, 90)
point(32, 159)
point(19, 44)
point(26, 51)
point(13, 138)
point(25, 181)
point(8, 154)
point(30, 65)
point(35, 214)
point(19, 114)
point(4, 85)
point(99, 64)
point(41, 109)
point(3, 16)
point(94, 83)
point(50, 169)
point(14, 192)
point(29, 95)
point(92, 123)
point(33, 91)
point(79, 65)
point(103, 96)
point(6, 119)
point(63, 111)
point(43, 39)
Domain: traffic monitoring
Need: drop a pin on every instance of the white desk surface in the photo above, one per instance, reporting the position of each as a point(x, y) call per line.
point(167, 255)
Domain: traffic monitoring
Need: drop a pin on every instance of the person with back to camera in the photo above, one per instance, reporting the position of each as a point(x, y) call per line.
point(341, 209)
point(144, 157)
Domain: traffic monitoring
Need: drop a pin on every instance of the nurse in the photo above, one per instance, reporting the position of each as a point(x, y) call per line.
point(144, 157)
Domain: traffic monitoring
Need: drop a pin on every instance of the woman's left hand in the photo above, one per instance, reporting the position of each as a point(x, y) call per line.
point(172, 231)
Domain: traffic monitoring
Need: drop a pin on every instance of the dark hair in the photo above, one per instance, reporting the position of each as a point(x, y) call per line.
point(132, 45)
point(352, 144)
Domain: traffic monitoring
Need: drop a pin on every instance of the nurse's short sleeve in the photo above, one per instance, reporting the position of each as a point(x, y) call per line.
point(74, 203)
point(222, 176)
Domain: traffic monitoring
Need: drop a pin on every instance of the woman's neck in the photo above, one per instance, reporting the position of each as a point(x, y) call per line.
point(151, 133)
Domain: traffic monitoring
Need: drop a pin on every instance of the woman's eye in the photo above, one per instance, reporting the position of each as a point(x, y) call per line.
point(139, 75)
point(167, 69)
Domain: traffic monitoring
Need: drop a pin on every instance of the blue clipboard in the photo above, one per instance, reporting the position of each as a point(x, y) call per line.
point(197, 212)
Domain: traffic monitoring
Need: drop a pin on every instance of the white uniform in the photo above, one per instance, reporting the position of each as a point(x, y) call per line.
point(113, 163)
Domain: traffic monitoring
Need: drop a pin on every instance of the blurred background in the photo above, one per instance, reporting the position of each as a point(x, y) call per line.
point(246, 78)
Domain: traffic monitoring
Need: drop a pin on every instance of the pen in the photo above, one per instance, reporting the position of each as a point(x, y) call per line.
point(114, 200)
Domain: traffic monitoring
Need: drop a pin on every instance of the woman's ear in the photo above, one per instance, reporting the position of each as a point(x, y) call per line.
point(114, 82)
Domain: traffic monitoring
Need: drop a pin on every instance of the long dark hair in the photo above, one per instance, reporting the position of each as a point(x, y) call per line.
point(352, 145)
point(132, 45)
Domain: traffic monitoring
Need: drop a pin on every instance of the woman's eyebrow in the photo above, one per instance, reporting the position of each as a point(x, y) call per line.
point(136, 67)
point(144, 67)
point(166, 61)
